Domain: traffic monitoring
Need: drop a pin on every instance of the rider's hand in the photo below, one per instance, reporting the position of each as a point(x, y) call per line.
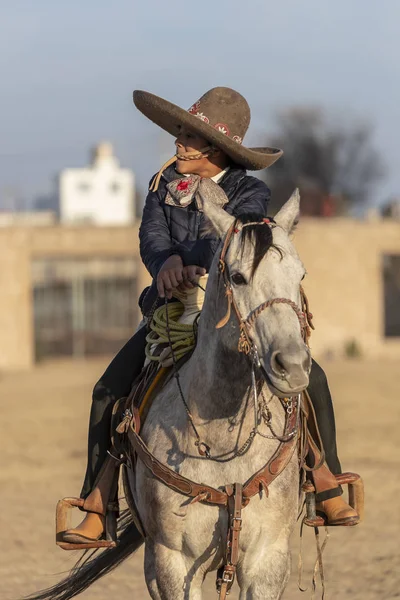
point(170, 276)
point(190, 277)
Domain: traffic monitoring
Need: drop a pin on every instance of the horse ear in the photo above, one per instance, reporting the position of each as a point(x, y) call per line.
point(289, 215)
point(212, 198)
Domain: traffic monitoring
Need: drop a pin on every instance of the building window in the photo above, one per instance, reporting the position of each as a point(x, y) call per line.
point(115, 187)
point(84, 187)
point(391, 290)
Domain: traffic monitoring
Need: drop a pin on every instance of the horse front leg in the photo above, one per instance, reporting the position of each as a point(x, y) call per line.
point(150, 571)
point(170, 575)
point(265, 576)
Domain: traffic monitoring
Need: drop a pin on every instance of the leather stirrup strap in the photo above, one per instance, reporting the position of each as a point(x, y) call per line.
point(314, 440)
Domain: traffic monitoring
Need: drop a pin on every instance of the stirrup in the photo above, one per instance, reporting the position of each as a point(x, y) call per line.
point(356, 498)
point(63, 511)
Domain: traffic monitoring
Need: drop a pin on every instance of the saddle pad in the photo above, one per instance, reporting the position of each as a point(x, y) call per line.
point(155, 382)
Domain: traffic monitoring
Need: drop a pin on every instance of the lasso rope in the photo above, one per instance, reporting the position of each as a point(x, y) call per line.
point(181, 335)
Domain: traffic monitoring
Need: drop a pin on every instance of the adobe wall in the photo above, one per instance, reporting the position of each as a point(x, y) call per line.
point(18, 247)
point(344, 261)
point(344, 282)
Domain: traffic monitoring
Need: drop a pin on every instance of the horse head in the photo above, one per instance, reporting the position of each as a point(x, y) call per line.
point(261, 273)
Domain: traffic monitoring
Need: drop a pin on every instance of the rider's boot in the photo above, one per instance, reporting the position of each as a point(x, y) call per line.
point(329, 501)
point(90, 529)
point(96, 505)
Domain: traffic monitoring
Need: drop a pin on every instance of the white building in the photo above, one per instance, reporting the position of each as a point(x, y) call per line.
point(101, 194)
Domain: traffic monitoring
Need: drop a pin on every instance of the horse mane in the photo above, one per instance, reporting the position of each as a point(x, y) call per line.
point(259, 235)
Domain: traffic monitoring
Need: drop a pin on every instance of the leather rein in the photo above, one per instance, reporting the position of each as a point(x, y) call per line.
point(235, 496)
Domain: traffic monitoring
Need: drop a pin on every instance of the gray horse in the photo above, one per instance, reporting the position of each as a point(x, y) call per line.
point(186, 541)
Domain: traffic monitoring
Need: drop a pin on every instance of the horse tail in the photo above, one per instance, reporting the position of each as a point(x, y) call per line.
point(94, 565)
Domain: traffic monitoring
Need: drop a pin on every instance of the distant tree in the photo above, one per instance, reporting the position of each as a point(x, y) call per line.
point(334, 165)
point(47, 202)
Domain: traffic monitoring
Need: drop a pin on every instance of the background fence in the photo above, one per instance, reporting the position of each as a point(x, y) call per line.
point(83, 306)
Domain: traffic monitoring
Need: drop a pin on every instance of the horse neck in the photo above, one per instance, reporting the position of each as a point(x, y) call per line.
point(220, 375)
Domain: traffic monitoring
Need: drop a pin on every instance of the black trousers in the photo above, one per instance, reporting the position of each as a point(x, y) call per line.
point(126, 366)
point(321, 398)
point(115, 383)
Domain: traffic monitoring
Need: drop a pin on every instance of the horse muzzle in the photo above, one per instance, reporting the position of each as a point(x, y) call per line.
point(288, 370)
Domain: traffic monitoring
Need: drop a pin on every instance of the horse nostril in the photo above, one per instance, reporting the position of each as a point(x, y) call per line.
point(279, 362)
point(278, 365)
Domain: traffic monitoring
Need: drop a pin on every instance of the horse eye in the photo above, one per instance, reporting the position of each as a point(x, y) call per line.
point(238, 279)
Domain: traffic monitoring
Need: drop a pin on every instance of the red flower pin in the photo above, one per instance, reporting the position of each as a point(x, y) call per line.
point(183, 185)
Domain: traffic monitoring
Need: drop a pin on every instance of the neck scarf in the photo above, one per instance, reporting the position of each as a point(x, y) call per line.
point(181, 192)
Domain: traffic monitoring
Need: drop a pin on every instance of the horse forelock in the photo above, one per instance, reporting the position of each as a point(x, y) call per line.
point(259, 236)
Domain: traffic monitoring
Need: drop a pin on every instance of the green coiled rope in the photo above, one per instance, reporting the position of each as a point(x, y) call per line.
point(181, 335)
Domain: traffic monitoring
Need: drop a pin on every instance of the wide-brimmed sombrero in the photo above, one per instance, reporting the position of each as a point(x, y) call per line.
point(221, 116)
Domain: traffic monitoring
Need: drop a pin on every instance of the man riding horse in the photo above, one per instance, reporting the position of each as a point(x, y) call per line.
point(177, 247)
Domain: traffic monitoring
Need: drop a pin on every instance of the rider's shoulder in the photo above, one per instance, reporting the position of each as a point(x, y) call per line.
point(251, 184)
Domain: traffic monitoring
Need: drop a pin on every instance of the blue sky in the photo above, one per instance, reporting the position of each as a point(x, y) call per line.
point(68, 70)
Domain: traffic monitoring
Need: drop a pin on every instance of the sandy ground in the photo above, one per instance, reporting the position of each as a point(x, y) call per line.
point(43, 421)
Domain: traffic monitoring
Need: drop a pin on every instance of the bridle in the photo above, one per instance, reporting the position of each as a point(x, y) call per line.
point(246, 344)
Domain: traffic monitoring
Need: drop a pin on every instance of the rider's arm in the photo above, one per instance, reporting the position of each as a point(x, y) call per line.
point(254, 199)
point(154, 235)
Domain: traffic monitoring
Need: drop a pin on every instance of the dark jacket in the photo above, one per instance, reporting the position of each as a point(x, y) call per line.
point(166, 230)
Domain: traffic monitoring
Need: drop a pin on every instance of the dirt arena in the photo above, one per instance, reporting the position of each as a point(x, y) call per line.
point(43, 422)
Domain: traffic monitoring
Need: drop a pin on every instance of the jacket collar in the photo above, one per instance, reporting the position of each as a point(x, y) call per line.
point(231, 179)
